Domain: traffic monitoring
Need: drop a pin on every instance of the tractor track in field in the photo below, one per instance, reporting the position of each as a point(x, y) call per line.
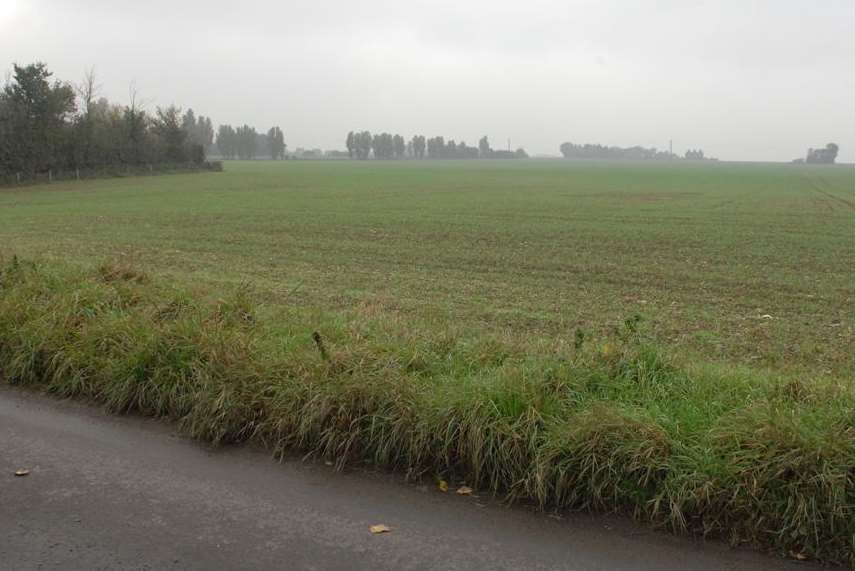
point(817, 185)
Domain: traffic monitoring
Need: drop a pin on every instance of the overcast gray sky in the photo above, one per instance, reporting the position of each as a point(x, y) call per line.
point(742, 79)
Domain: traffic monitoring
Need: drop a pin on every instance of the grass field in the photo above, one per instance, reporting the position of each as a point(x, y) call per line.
point(742, 263)
point(473, 321)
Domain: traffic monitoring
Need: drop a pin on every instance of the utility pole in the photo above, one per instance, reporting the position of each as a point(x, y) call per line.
point(671, 149)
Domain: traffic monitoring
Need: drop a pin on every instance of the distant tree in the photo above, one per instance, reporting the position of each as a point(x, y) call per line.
point(399, 145)
point(826, 156)
point(276, 143)
point(205, 132)
point(464, 151)
point(419, 146)
point(87, 92)
point(188, 123)
point(450, 150)
point(247, 142)
point(200, 131)
point(171, 134)
point(832, 150)
point(484, 149)
point(589, 151)
point(351, 144)
point(377, 146)
point(7, 157)
point(36, 114)
point(363, 143)
point(135, 124)
point(383, 145)
point(227, 141)
point(436, 147)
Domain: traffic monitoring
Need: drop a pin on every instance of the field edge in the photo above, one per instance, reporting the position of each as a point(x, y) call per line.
point(613, 424)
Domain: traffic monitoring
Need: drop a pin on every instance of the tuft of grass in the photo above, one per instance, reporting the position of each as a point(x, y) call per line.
point(603, 458)
point(120, 270)
point(613, 424)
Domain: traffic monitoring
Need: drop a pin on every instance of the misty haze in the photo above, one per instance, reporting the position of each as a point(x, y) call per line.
point(745, 81)
point(554, 285)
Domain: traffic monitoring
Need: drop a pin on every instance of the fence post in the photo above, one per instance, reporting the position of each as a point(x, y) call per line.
point(50, 175)
point(77, 172)
point(18, 177)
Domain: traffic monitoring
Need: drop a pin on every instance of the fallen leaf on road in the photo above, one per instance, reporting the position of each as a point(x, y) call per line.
point(22, 472)
point(380, 528)
point(464, 491)
point(798, 556)
point(443, 486)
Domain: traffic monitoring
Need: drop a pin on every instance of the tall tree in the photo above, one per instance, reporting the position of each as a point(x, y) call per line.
point(276, 143)
point(484, 147)
point(87, 92)
point(419, 146)
point(383, 145)
point(436, 148)
point(168, 127)
point(37, 111)
point(247, 142)
point(400, 146)
point(227, 141)
point(826, 156)
point(363, 142)
point(351, 144)
point(188, 123)
point(135, 125)
point(205, 132)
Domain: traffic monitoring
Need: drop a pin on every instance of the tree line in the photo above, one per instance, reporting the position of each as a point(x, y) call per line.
point(363, 145)
point(48, 125)
point(246, 143)
point(589, 151)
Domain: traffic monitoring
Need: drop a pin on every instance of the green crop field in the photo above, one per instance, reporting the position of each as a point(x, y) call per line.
point(670, 341)
point(750, 264)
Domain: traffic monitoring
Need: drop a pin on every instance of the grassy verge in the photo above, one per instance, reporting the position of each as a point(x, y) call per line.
point(610, 424)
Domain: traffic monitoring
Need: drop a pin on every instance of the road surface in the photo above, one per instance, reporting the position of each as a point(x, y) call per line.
point(108, 492)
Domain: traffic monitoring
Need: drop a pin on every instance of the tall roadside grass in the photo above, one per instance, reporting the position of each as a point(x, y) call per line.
point(611, 425)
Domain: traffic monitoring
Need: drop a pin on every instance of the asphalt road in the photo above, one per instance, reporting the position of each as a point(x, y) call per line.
point(108, 492)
